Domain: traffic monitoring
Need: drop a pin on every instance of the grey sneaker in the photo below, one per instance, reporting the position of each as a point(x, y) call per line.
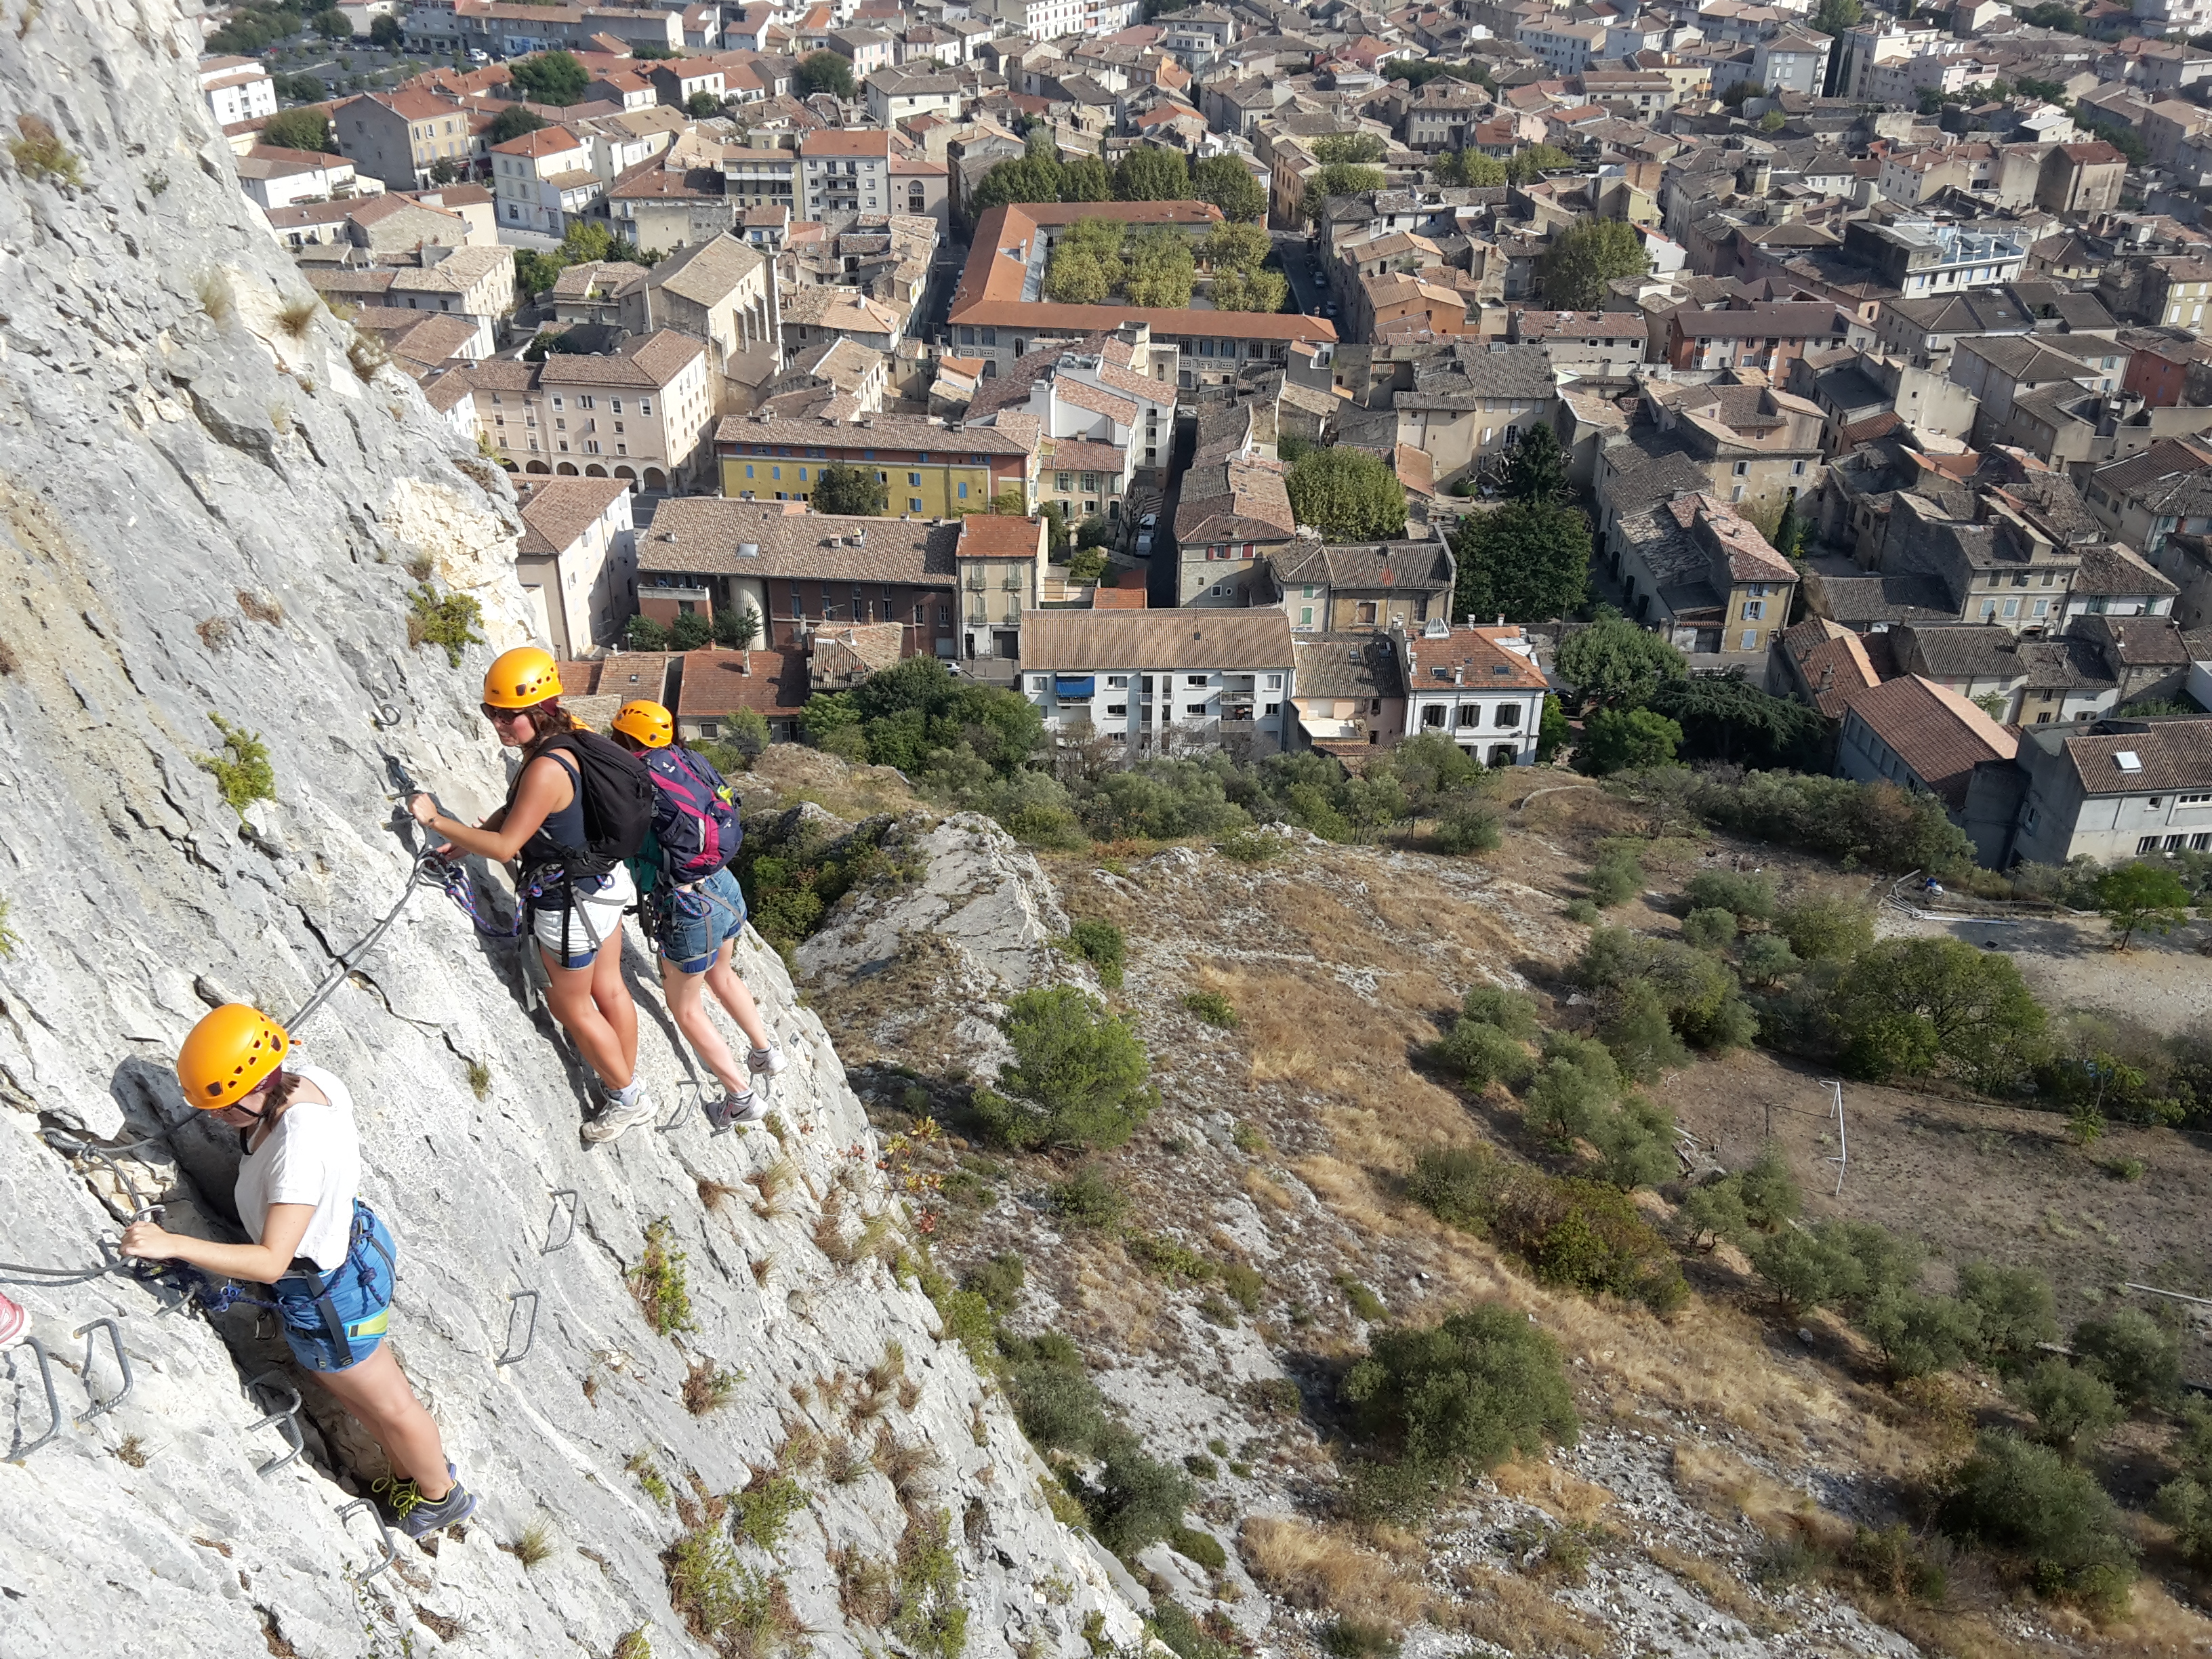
point(418, 1516)
point(765, 1062)
point(737, 1111)
point(617, 1117)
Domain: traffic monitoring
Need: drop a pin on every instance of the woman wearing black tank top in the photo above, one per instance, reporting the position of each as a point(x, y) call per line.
point(577, 924)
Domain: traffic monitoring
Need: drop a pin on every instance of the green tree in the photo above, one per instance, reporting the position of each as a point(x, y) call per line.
point(701, 103)
point(2129, 1350)
point(387, 32)
point(1340, 147)
point(1254, 290)
point(513, 122)
point(1471, 168)
point(1029, 180)
point(1773, 121)
point(1552, 732)
point(850, 489)
point(2141, 896)
point(1625, 739)
point(1233, 247)
point(1788, 538)
point(1076, 278)
point(1613, 661)
point(738, 629)
point(1728, 718)
point(333, 25)
point(1347, 495)
point(1159, 269)
point(1460, 1397)
point(1911, 1006)
point(1526, 561)
point(550, 77)
point(689, 631)
point(1533, 162)
point(299, 129)
point(1226, 182)
point(2013, 1495)
point(1586, 256)
point(1835, 17)
point(301, 88)
point(1536, 471)
point(2073, 1409)
point(825, 71)
point(1078, 1077)
point(1739, 93)
point(1086, 179)
point(643, 633)
point(1148, 173)
point(1339, 179)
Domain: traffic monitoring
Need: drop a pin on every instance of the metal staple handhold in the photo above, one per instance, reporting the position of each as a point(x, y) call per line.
point(100, 1407)
point(385, 1541)
point(286, 1419)
point(562, 1242)
point(529, 1336)
point(53, 1405)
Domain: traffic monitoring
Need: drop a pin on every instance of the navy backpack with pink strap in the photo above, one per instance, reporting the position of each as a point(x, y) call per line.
point(696, 816)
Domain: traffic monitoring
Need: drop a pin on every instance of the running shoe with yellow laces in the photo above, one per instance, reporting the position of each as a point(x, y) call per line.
point(418, 1517)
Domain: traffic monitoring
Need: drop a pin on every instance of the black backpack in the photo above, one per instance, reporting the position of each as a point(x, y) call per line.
point(618, 798)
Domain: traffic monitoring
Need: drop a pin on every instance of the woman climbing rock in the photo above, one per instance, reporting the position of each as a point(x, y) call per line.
point(328, 1255)
point(578, 807)
point(696, 908)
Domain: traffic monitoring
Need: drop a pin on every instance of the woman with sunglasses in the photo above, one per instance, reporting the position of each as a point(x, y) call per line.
point(328, 1255)
point(576, 921)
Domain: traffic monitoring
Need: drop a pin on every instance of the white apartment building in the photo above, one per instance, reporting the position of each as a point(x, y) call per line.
point(1478, 685)
point(1566, 48)
point(543, 179)
point(642, 415)
point(846, 171)
point(237, 89)
point(1163, 679)
point(577, 562)
point(1040, 20)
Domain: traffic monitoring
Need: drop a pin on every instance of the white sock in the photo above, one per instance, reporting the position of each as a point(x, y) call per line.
point(628, 1096)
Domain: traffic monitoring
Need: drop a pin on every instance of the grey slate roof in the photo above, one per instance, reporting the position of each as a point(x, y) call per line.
point(1347, 665)
point(1859, 602)
point(1415, 565)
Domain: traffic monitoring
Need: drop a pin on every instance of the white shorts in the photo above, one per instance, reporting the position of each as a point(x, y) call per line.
point(596, 920)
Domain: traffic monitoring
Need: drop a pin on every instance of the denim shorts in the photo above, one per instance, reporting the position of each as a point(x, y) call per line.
point(363, 1309)
point(697, 918)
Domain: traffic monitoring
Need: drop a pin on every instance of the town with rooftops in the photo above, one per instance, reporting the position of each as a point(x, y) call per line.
point(1272, 377)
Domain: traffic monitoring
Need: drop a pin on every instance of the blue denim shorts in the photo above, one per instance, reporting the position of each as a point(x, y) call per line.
point(360, 1291)
point(696, 919)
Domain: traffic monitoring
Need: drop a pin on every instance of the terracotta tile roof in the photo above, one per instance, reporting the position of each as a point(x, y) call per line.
point(1118, 599)
point(2170, 753)
point(1084, 455)
point(767, 681)
point(1478, 659)
point(700, 535)
point(1933, 731)
point(999, 536)
point(556, 511)
point(1832, 663)
point(900, 431)
point(1163, 641)
point(654, 361)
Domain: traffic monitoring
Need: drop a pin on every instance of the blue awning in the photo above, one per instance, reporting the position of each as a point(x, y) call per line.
point(1073, 685)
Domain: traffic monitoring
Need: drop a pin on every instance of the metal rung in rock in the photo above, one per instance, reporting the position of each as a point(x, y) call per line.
point(53, 1405)
point(102, 1408)
point(529, 1334)
point(284, 1417)
point(553, 1221)
point(389, 1545)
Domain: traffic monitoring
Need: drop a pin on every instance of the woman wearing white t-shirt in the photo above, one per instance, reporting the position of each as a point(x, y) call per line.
point(326, 1254)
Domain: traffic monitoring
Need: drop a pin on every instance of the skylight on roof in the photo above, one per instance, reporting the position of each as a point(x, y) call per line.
point(2128, 760)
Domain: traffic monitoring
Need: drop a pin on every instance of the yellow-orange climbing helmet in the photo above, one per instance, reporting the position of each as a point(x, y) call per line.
point(228, 1055)
point(648, 722)
point(521, 678)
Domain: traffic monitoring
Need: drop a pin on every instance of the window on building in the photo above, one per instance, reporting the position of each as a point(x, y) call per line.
point(1750, 641)
point(914, 504)
point(1744, 469)
point(1754, 609)
point(2147, 844)
point(1432, 716)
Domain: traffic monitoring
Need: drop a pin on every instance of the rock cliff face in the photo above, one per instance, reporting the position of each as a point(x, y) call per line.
point(215, 502)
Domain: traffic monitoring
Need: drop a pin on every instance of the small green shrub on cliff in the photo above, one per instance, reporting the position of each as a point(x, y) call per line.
point(450, 622)
point(657, 1284)
point(242, 773)
point(1103, 946)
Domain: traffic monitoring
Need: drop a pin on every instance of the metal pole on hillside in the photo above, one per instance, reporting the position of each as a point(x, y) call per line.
point(1842, 1156)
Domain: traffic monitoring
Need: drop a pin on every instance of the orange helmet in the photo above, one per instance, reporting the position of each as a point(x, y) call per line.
point(229, 1054)
point(521, 678)
point(648, 722)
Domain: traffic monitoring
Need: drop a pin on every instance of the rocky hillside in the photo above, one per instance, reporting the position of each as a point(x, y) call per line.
point(1225, 1268)
point(216, 506)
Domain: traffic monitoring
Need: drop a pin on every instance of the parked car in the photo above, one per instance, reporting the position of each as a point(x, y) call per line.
point(1149, 522)
point(1144, 544)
